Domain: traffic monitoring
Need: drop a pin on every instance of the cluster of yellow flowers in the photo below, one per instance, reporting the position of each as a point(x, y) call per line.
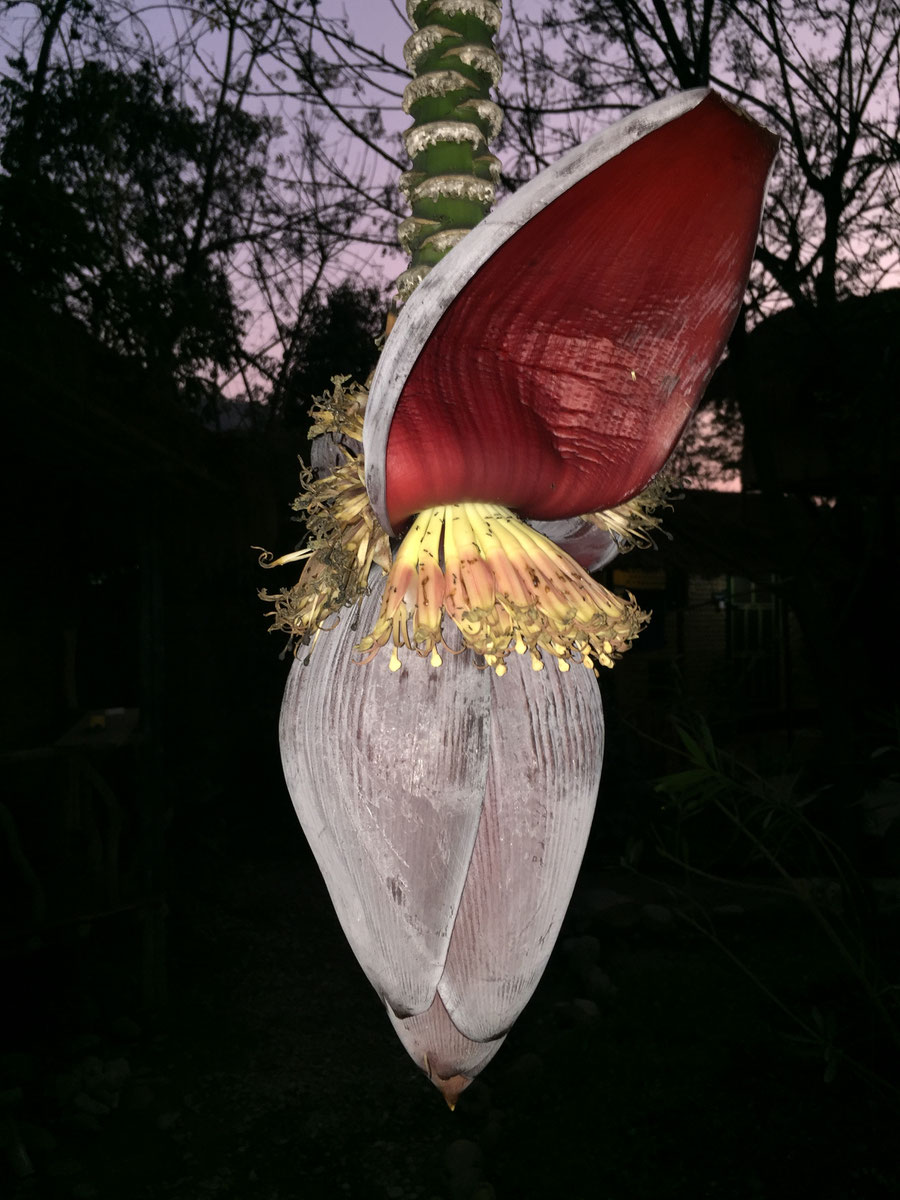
point(505, 586)
point(500, 582)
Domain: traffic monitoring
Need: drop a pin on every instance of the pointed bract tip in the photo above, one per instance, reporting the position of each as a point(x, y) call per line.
point(451, 1089)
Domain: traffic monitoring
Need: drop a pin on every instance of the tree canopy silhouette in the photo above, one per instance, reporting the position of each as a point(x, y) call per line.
point(174, 186)
point(128, 210)
point(823, 76)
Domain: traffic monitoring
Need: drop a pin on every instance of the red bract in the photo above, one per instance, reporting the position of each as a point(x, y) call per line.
point(550, 361)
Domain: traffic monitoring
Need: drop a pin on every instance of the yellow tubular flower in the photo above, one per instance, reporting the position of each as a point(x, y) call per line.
point(504, 586)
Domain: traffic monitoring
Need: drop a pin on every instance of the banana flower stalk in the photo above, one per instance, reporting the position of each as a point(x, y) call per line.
point(527, 398)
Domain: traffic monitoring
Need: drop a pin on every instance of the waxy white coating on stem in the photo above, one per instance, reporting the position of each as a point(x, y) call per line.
point(486, 11)
point(462, 187)
point(420, 137)
point(444, 240)
point(487, 111)
point(422, 41)
point(412, 228)
point(480, 58)
point(435, 83)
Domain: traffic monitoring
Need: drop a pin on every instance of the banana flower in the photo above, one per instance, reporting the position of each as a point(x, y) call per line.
point(533, 385)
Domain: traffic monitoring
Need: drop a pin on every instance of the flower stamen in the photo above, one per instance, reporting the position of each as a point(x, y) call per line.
point(506, 587)
point(633, 523)
point(345, 537)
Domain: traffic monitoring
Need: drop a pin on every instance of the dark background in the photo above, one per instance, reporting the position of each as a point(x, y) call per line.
point(183, 1018)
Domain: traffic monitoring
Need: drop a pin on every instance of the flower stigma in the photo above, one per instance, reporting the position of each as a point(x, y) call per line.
point(633, 524)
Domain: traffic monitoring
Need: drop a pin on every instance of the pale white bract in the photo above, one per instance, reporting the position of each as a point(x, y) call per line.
point(448, 810)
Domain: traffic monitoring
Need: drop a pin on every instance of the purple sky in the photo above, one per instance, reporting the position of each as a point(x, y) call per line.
point(380, 23)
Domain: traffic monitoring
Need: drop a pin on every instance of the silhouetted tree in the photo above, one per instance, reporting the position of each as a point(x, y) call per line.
point(336, 332)
point(822, 76)
point(177, 187)
point(116, 212)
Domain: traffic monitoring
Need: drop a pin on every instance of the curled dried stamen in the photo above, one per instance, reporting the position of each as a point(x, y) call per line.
point(633, 522)
point(345, 537)
point(339, 411)
point(505, 586)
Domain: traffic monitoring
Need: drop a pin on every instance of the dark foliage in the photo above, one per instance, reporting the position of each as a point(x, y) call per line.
point(337, 332)
point(125, 207)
